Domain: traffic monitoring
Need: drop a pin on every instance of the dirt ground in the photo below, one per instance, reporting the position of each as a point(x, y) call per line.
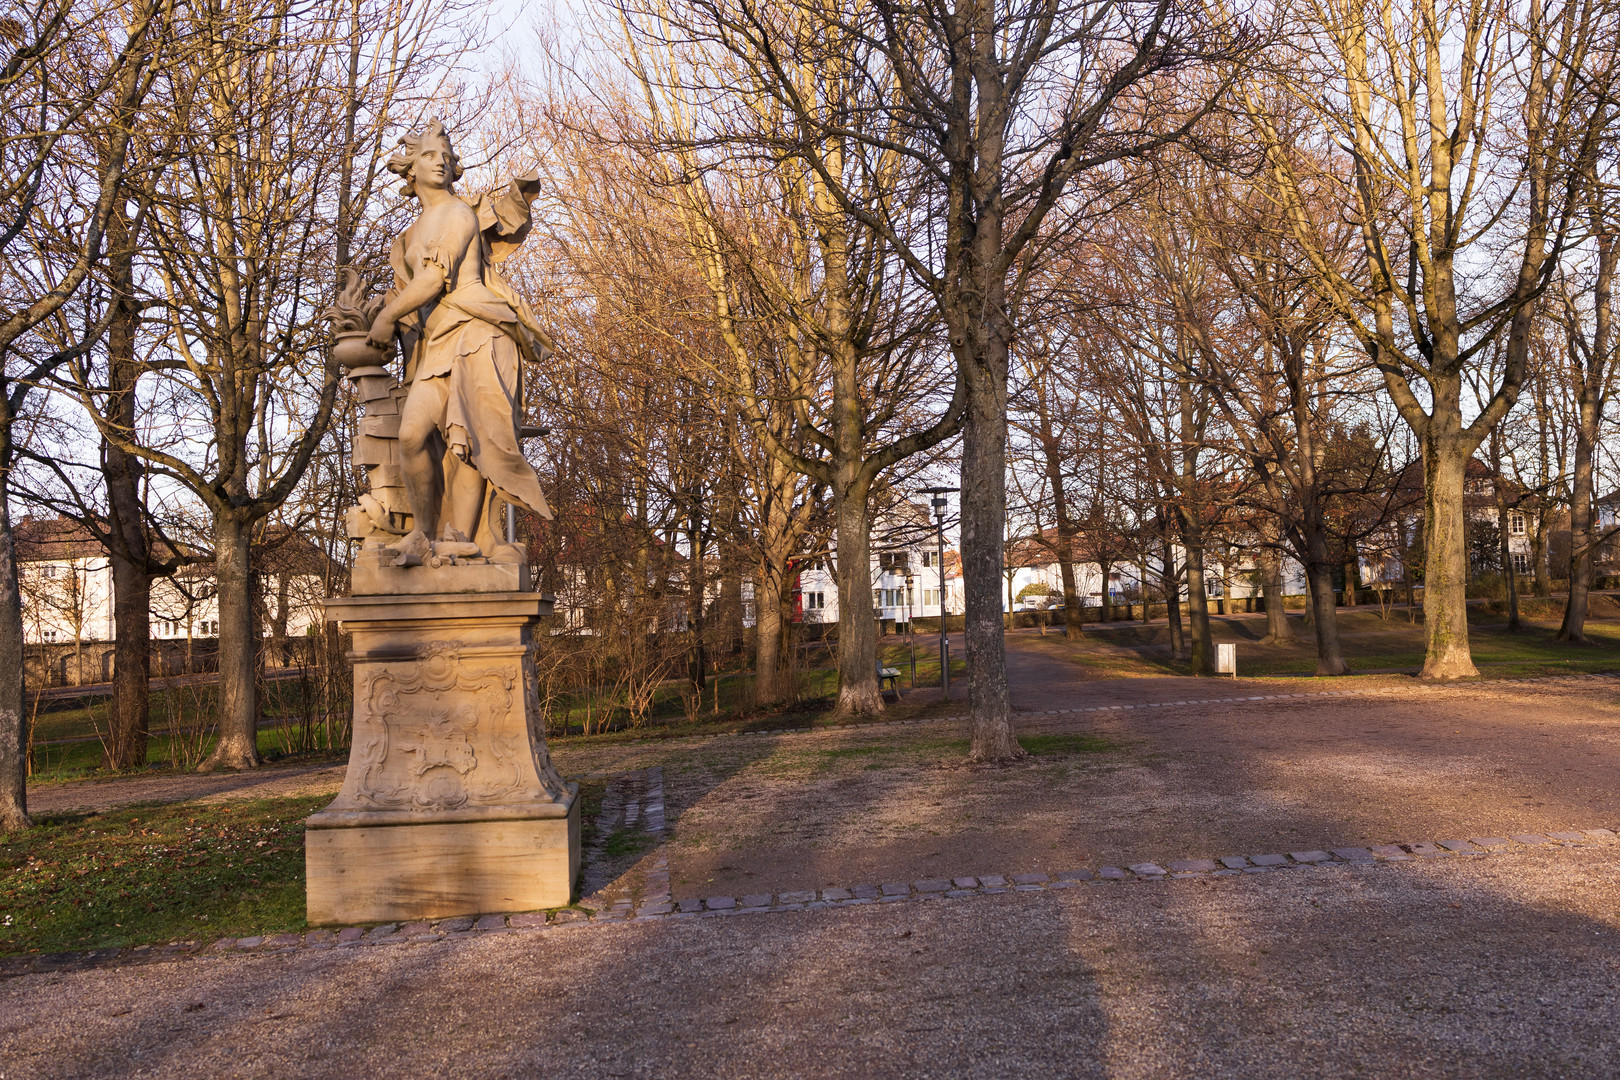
point(1469, 968)
point(1168, 783)
point(1390, 762)
point(1463, 967)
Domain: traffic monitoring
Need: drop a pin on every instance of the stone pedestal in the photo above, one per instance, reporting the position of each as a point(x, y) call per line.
point(450, 805)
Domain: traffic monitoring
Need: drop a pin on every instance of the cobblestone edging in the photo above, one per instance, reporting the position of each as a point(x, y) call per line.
point(648, 808)
point(652, 910)
point(1370, 691)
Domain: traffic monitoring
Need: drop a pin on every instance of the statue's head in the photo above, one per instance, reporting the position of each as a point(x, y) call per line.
point(428, 149)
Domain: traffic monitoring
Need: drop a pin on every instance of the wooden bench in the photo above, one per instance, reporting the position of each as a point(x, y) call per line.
point(889, 680)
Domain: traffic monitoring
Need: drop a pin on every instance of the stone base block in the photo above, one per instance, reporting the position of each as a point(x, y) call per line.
point(435, 870)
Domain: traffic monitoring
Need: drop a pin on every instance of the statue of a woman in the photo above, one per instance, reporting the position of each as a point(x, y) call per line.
point(464, 334)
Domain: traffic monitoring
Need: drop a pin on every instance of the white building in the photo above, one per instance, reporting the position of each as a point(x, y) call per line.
point(907, 580)
point(66, 582)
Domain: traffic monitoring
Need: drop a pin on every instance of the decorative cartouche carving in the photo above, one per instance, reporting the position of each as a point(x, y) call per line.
point(441, 733)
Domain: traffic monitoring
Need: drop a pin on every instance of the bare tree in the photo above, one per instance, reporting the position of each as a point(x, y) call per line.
point(994, 111)
point(1590, 338)
point(259, 144)
point(1471, 129)
point(55, 91)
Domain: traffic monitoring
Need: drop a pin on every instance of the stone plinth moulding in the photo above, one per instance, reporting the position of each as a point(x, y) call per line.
point(450, 805)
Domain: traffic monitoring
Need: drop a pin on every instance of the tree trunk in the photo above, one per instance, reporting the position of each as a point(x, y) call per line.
point(1538, 556)
point(726, 620)
point(1445, 570)
point(1411, 590)
point(1590, 395)
point(238, 746)
point(278, 624)
point(1202, 654)
point(1172, 605)
point(1329, 657)
point(767, 642)
point(1573, 628)
point(1271, 592)
point(1105, 596)
point(121, 472)
point(13, 711)
point(131, 682)
point(1510, 578)
point(1352, 577)
point(858, 693)
point(1071, 592)
point(984, 517)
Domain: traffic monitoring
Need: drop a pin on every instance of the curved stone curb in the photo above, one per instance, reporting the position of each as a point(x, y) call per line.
point(931, 889)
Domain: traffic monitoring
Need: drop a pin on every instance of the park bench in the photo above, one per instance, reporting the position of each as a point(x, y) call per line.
point(888, 680)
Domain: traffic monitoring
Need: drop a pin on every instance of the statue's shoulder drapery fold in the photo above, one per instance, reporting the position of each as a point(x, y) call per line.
point(506, 218)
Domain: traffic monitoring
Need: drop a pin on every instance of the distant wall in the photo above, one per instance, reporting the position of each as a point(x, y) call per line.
point(59, 664)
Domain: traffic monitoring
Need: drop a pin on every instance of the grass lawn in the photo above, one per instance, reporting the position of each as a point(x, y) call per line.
point(1370, 643)
point(147, 874)
point(78, 760)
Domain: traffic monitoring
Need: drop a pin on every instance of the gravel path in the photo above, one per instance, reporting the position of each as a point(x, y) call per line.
point(275, 781)
point(1504, 966)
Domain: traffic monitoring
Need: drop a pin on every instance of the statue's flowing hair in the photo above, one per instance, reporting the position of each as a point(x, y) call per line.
point(400, 164)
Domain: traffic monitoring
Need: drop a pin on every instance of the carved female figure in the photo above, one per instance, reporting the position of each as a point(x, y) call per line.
point(464, 333)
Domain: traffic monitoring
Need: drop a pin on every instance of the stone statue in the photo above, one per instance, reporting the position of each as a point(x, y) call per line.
point(450, 805)
point(464, 333)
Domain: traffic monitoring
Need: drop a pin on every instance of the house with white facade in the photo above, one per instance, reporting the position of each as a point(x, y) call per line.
point(907, 578)
point(65, 577)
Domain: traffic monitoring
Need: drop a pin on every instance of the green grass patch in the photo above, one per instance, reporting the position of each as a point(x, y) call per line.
point(627, 843)
point(77, 761)
point(1067, 744)
point(1369, 642)
point(859, 751)
point(145, 874)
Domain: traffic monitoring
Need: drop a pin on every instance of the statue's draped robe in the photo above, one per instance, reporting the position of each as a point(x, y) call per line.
point(476, 336)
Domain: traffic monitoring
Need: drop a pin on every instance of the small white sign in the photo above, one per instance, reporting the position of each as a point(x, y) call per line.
point(1226, 659)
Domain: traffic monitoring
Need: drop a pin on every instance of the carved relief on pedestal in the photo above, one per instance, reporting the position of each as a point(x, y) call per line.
point(537, 743)
point(444, 732)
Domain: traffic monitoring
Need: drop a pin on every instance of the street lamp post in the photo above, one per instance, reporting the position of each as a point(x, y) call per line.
point(938, 501)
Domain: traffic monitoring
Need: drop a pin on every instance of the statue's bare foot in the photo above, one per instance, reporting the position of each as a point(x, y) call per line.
point(456, 542)
point(413, 549)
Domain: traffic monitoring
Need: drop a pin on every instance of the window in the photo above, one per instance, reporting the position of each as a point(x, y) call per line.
point(51, 636)
point(930, 598)
point(1521, 563)
point(814, 601)
point(1516, 524)
point(930, 558)
point(897, 562)
point(48, 570)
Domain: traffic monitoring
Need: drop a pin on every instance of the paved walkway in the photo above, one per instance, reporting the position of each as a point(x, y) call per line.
point(1484, 967)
